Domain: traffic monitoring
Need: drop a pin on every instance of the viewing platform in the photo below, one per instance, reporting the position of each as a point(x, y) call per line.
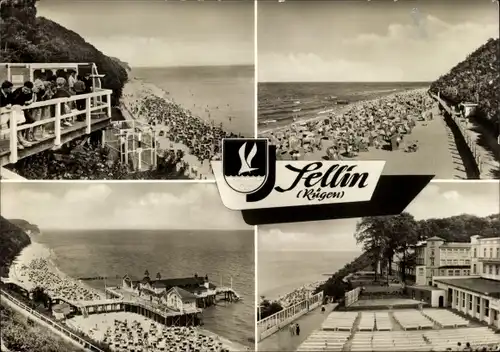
point(92, 111)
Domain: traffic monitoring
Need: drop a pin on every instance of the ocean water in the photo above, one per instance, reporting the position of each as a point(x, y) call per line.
point(282, 272)
point(279, 103)
point(218, 254)
point(211, 92)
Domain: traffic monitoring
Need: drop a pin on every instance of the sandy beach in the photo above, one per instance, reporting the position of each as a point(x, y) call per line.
point(110, 328)
point(298, 295)
point(426, 144)
point(138, 97)
point(34, 267)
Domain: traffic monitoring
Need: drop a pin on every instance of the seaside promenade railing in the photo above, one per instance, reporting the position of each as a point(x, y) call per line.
point(93, 103)
point(462, 126)
point(273, 323)
point(85, 344)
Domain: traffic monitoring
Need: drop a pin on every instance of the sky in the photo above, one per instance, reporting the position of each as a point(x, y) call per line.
point(369, 41)
point(437, 200)
point(161, 33)
point(82, 206)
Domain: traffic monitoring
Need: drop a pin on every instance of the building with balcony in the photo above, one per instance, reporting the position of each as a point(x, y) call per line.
point(436, 257)
point(477, 295)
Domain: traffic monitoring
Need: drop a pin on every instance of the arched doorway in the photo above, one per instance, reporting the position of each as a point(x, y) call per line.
point(441, 302)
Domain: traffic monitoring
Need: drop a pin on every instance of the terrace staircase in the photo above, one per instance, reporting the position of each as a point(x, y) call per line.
point(395, 324)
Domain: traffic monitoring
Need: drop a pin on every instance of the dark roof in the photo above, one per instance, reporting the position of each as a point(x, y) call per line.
point(478, 285)
point(180, 282)
point(183, 293)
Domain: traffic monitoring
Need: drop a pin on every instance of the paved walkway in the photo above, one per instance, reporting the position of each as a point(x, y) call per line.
point(284, 341)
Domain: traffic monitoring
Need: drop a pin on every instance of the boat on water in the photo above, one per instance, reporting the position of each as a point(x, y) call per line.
point(296, 102)
point(296, 110)
point(267, 122)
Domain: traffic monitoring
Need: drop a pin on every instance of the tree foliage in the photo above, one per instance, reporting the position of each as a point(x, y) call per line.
point(24, 37)
point(268, 308)
point(385, 237)
point(12, 240)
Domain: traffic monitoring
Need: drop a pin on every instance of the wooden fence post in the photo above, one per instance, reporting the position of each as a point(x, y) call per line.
point(13, 138)
point(57, 127)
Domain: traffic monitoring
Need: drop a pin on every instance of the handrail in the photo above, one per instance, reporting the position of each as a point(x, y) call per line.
point(52, 323)
point(91, 105)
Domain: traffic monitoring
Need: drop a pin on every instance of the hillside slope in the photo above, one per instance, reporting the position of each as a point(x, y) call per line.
point(12, 241)
point(475, 77)
point(25, 226)
point(27, 38)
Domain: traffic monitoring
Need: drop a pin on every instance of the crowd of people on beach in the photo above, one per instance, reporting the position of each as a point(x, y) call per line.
point(201, 137)
point(46, 86)
point(384, 123)
point(298, 295)
point(137, 336)
point(39, 272)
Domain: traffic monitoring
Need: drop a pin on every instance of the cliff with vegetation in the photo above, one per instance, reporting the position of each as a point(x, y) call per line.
point(26, 226)
point(12, 240)
point(475, 80)
point(24, 37)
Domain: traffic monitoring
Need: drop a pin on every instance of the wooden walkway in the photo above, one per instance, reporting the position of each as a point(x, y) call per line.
point(482, 144)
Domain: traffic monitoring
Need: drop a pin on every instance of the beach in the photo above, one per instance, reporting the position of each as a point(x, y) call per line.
point(191, 115)
point(36, 266)
point(403, 128)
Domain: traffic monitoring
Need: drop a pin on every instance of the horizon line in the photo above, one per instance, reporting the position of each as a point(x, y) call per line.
point(138, 229)
point(190, 66)
point(345, 82)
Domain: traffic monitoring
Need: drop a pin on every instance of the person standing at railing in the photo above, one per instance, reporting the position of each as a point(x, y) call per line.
point(39, 92)
point(71, 82)
point(61, 92)
point(5, 103)
point(79, 88)
point(24, 96)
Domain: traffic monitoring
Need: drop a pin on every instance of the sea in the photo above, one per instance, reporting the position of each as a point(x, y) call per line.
point(282, 272)
point(223, 94)
point(218, 254)
point(280, 103)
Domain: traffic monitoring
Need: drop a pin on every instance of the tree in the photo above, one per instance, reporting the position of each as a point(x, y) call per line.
point(146, 273)
point(39, 296)
point(158, 276)
point(268, 308)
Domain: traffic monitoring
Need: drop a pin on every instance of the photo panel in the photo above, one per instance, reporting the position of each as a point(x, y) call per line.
point(427, 279)
point(410, 82)
point(147, 93)
point(124, 267)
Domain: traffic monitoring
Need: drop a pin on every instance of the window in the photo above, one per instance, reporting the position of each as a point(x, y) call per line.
point(498, 252)
point(467, 261)
point(467, 272)
point(491, 252)
point(474, 268)
point(484, 253)
point(484, 269)
point(490, 269)
point(486, 307)
point(432, 261)
point(497, 269)
point(478, 305)
point(432, 253)
point(449, 261)
point(450, 272)
point(475, 252)
point(457, 272)
point(441, 272)
point(455, 261)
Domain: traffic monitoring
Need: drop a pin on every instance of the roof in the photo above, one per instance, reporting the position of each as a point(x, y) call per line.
point(456, 244)
point(182, 293)
point(435, 238)
point(478, 285)
point(424, 288)
point(180, 282)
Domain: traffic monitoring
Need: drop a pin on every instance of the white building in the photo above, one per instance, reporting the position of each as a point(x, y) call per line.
point(436, 257)
point(478, 295)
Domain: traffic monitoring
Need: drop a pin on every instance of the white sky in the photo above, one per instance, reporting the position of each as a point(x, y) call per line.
point(348, 41)
point(119, 206)
point(161, 33)
point(437, 200)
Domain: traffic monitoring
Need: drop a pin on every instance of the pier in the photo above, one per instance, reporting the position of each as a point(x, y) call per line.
point(273, 323)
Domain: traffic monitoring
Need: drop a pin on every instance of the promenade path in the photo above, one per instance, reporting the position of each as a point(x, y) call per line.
point(284, 341)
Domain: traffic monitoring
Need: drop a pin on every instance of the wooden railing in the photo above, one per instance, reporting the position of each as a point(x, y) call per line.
point(93, 102)
point(85, 344)
point(271, 324)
